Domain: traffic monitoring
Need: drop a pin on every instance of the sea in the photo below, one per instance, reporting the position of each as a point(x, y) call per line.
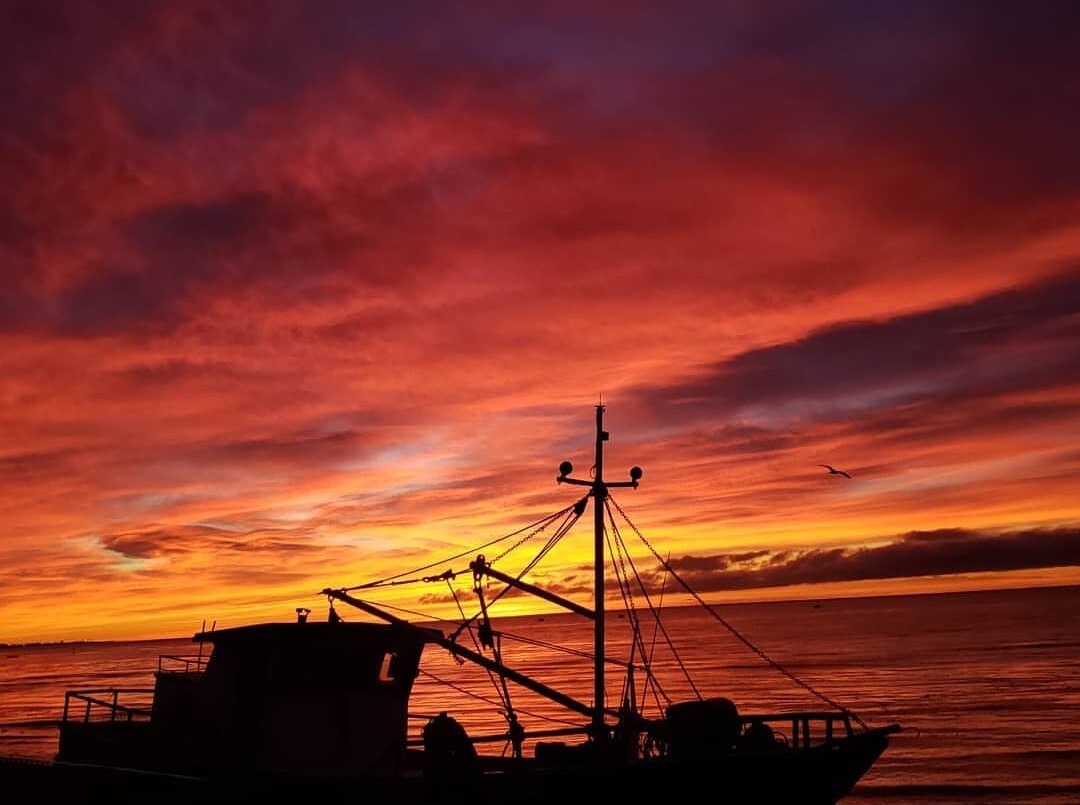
point(985, 685)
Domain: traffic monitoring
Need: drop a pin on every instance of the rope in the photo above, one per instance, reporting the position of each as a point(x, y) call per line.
point(560, 532)
point(618, 554)
point(505, 700)
point(735, 632)
point(652, 645)
point(617, 548)
point(622, 578)
point(655, 613)
point(656, 618)
point(547, 522)
point(585, 655)
point(571, 514)
point(488, 700)
point(495, 642)
point(538, 525)
point(424, 616)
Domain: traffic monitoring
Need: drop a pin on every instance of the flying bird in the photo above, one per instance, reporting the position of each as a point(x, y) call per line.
point(834, 471)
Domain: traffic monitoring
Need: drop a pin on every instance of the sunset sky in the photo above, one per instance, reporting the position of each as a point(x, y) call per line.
point(302, 294)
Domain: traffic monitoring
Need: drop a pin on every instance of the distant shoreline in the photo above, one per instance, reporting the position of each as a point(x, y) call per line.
point(809, 599)
point(77, 643)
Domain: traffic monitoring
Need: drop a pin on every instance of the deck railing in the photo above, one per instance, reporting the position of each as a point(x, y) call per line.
point(830, 725)
point(796, 730)
point(105, 705)
point(182, 663)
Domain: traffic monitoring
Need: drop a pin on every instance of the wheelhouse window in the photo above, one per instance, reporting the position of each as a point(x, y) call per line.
point(388, 669)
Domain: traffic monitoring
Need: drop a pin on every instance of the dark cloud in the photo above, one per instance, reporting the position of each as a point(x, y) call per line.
point(182, 248)
point(919, 553)
point(154, 541)
point(23, 468)
point(113, 300)
point(990, 116)
point(177, 370)
point(48, 48)
point(20, 306)
point(306, 448)
point(866, 364)
point(955, 111)
point(174, 69)
point(219, 225)
point(202, 70)
point(292, 247)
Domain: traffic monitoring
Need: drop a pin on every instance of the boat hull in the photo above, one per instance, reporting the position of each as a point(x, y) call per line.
point(823, 775)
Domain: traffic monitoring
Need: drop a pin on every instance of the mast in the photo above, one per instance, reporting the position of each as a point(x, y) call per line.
point(599, 494)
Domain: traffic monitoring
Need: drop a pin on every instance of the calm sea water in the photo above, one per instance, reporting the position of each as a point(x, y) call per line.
point(987, 685)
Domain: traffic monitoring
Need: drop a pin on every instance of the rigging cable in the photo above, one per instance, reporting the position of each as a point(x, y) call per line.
point(489, 700)
point(585, 655)
point(577, 508)
point(560, 532)
point(617, 549)
point(489, 638)
point(648, 599)
point(652, 642)
point(622, 552)
point(629, 694)
point(571, 515)
point(571, 512)
point(504, 695)
point(422, 615)
point(536, 525)
point(739, 635)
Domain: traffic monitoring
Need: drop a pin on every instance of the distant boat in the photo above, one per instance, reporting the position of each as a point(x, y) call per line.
point(319, 710)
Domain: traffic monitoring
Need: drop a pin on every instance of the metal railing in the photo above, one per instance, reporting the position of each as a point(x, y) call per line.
point(104, 705)
point(807, 729)
point(801, 723)
point(182, 663)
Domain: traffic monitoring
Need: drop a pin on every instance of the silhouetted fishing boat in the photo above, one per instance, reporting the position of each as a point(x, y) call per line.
point(321, 709)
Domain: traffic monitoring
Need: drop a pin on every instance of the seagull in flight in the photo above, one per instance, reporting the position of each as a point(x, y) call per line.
point(834, 471)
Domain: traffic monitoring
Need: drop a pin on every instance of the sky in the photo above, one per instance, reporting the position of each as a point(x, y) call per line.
point(303, 295)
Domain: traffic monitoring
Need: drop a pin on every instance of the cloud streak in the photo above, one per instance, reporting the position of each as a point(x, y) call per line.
point(922, 553)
